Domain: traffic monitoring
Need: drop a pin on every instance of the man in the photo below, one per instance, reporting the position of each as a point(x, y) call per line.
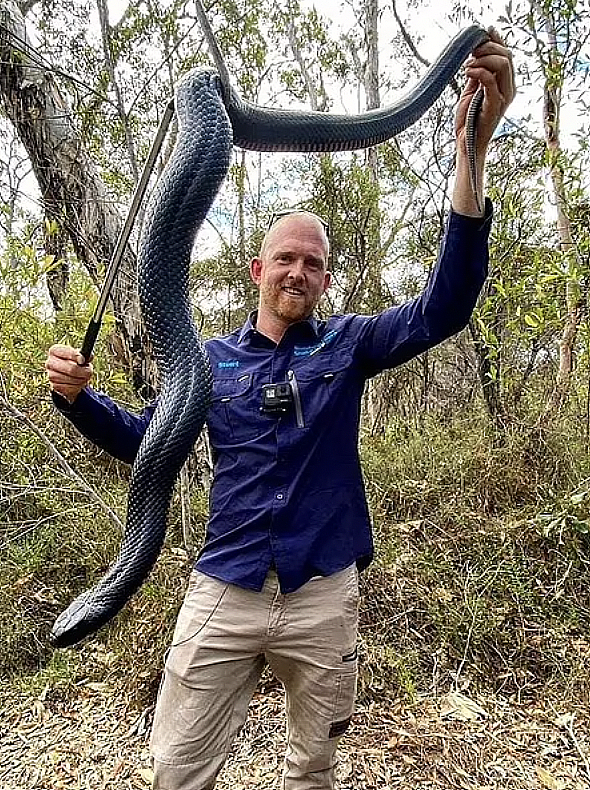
point(276, 580)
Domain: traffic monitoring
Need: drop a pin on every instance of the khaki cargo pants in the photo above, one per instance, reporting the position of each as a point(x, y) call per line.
point(223, 637)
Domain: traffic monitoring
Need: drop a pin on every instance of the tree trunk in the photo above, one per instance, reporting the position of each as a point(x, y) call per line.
point(316, 93)
point(372, 102)
point(56, 245)
point(554, 75)
point(69, 183)
point(488, 378)
point(372, 241)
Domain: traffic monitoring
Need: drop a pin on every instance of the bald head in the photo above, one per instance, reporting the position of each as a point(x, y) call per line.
point(296, 222)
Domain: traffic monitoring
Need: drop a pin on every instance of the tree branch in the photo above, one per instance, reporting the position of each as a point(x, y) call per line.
point(409, 41)
point(63, 464)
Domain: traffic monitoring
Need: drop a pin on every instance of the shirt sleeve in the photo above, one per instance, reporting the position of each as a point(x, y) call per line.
point(444, 306)
point(106, 424)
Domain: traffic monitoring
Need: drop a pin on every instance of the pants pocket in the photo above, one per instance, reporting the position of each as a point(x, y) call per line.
point(345, 697)
point(203, 597)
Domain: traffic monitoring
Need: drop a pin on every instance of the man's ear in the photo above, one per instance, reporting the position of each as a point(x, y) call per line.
point(256, 270)
point(327, 281)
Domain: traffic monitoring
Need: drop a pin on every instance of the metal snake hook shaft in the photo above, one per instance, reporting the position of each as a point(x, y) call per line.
point(213, 47)
point(96, 320)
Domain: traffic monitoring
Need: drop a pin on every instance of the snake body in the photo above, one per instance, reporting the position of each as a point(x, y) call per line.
point(211, 117)
point(177, 208)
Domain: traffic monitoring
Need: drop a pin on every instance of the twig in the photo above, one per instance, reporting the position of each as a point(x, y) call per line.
point(22, 418)
point(568, 724)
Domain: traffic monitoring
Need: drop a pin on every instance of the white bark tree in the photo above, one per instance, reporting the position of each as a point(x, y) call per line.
point(74, 196)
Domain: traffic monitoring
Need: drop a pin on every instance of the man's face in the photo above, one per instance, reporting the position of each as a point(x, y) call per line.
point(291, 271)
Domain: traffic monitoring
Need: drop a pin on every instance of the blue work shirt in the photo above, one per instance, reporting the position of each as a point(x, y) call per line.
point(287, 489)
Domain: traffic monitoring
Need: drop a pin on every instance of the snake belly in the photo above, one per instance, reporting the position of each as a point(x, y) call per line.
point(211, 117)
point(263, 129)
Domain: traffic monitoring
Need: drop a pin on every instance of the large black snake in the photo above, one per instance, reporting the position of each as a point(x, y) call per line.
point(210, 117)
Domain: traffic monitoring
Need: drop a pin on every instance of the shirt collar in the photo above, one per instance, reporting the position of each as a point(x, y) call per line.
point(307, 325)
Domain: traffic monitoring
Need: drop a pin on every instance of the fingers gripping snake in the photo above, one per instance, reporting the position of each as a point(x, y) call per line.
point(211, 118)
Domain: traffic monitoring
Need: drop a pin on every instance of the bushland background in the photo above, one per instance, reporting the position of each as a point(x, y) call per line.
point(475, 618)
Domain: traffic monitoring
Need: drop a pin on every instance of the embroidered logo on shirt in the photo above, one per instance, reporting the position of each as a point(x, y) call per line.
point(232, 363)
point(308, 351)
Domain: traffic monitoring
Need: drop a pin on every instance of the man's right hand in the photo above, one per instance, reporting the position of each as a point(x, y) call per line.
point(67, 371)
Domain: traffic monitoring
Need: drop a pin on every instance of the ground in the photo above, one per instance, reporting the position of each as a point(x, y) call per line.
point(97, 741)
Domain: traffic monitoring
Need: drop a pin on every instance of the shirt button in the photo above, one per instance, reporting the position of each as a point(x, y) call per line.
point(280, 496)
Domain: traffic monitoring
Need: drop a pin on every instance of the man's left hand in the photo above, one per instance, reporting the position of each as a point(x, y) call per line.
point(491, 67)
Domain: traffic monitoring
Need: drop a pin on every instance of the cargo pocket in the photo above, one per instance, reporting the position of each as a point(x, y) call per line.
point(345, 697)
point(348, 671)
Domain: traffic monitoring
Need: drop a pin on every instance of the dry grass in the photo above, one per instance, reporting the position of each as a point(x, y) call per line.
point(473, 653)
point(515, 732)
point(464, 680)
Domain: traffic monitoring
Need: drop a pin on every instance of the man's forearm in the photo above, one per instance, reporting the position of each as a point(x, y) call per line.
point(106, 424)
point(463, 199)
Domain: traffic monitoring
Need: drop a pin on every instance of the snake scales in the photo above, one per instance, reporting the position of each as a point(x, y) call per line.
point(211, 118)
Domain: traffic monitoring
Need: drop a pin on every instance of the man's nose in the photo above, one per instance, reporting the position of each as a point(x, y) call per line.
point(296, 270)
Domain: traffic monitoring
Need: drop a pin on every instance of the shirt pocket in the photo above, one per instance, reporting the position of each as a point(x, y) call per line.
point(322, 379)
point(234, 411)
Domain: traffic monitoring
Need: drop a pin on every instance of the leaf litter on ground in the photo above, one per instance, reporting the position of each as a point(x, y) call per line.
point(97, 740)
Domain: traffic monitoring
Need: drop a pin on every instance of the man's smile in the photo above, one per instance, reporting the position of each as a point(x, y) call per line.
point(289, 289)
